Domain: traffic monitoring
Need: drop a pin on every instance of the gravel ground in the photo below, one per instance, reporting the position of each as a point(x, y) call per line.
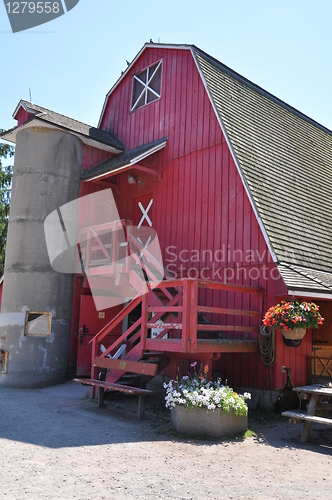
point(58, 444)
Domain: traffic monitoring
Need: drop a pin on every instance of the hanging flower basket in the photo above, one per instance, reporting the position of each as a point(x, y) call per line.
point(295, 334)
point(293, 318)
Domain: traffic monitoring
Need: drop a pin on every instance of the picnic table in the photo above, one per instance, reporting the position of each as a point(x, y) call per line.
point(319, 401)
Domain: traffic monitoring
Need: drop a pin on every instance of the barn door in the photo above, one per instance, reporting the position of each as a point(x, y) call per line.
point(322, 343)
point(91, 322)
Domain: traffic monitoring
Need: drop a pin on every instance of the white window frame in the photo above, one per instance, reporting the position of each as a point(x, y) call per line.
point(146, 86)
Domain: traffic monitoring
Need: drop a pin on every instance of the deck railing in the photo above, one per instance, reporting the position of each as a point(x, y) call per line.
point(188, 335)
point(169, 315)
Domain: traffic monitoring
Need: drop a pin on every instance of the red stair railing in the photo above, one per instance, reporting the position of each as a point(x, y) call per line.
point(181, 325)
point(97, 339)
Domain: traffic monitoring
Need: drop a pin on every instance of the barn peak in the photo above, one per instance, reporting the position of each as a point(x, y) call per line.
point(284, 159)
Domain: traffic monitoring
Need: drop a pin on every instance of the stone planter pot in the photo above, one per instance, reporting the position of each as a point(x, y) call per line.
point(296, 334)
point(215, 423)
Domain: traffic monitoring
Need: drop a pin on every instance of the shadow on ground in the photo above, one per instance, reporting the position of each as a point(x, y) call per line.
point(275, 430)
point(62, 416)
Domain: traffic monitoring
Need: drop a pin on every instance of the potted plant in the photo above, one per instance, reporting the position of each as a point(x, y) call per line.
point(200, 406)
point(293, 318)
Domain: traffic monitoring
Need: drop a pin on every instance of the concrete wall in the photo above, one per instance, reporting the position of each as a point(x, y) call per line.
point(47, 170)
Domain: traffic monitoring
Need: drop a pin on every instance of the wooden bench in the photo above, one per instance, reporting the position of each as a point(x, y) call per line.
point(315, 392)
point(296, 417)
point(144, 369)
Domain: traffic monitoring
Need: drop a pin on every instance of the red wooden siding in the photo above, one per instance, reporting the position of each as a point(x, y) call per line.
point(93, 156)
point(182, 113)
point(22, 116)
point(200, 203)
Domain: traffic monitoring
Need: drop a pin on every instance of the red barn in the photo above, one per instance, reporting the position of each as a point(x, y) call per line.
point(236, 185)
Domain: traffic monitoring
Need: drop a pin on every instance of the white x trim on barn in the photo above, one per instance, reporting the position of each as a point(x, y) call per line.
point(145, 214)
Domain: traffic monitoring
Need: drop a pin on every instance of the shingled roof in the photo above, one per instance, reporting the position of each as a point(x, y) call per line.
point(64, 122)
point(301, 279)
point(124, 160)
point(285, 160)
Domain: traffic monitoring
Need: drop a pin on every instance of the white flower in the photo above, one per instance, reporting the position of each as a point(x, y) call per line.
point(199, 393)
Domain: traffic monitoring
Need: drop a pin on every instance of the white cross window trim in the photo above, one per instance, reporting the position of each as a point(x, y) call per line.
point(145, 214)
point(146, 87)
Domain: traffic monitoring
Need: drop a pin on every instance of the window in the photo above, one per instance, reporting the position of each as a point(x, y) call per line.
point(38, 323)
point(147, 86)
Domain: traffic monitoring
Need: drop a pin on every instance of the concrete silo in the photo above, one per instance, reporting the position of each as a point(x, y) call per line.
point(36, 307)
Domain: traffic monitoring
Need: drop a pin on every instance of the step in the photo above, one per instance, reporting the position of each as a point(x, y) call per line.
point(133, 379)
point(152, 354)
point(126, 366)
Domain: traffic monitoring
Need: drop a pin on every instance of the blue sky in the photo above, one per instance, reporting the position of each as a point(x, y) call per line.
point(72, 62)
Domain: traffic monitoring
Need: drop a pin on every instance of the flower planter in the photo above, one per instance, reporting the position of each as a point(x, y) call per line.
point(296, 334)
point(215, 423)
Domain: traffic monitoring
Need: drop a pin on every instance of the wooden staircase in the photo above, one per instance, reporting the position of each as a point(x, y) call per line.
point(176, 317)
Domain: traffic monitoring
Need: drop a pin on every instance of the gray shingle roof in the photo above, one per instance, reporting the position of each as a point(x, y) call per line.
point(286, 161)
point(62, 121)
point(301, 278)
point(122, 160)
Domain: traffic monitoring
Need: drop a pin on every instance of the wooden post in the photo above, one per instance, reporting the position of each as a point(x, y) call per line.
point(101, 397)
point(192, 341)
point(174, 366)
point(144, 328)
point(93, 355)
point(141, 398)
point(93, 368)
point(185, 316)
point(101, 391)
point(141, 404)
point(310, 412)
